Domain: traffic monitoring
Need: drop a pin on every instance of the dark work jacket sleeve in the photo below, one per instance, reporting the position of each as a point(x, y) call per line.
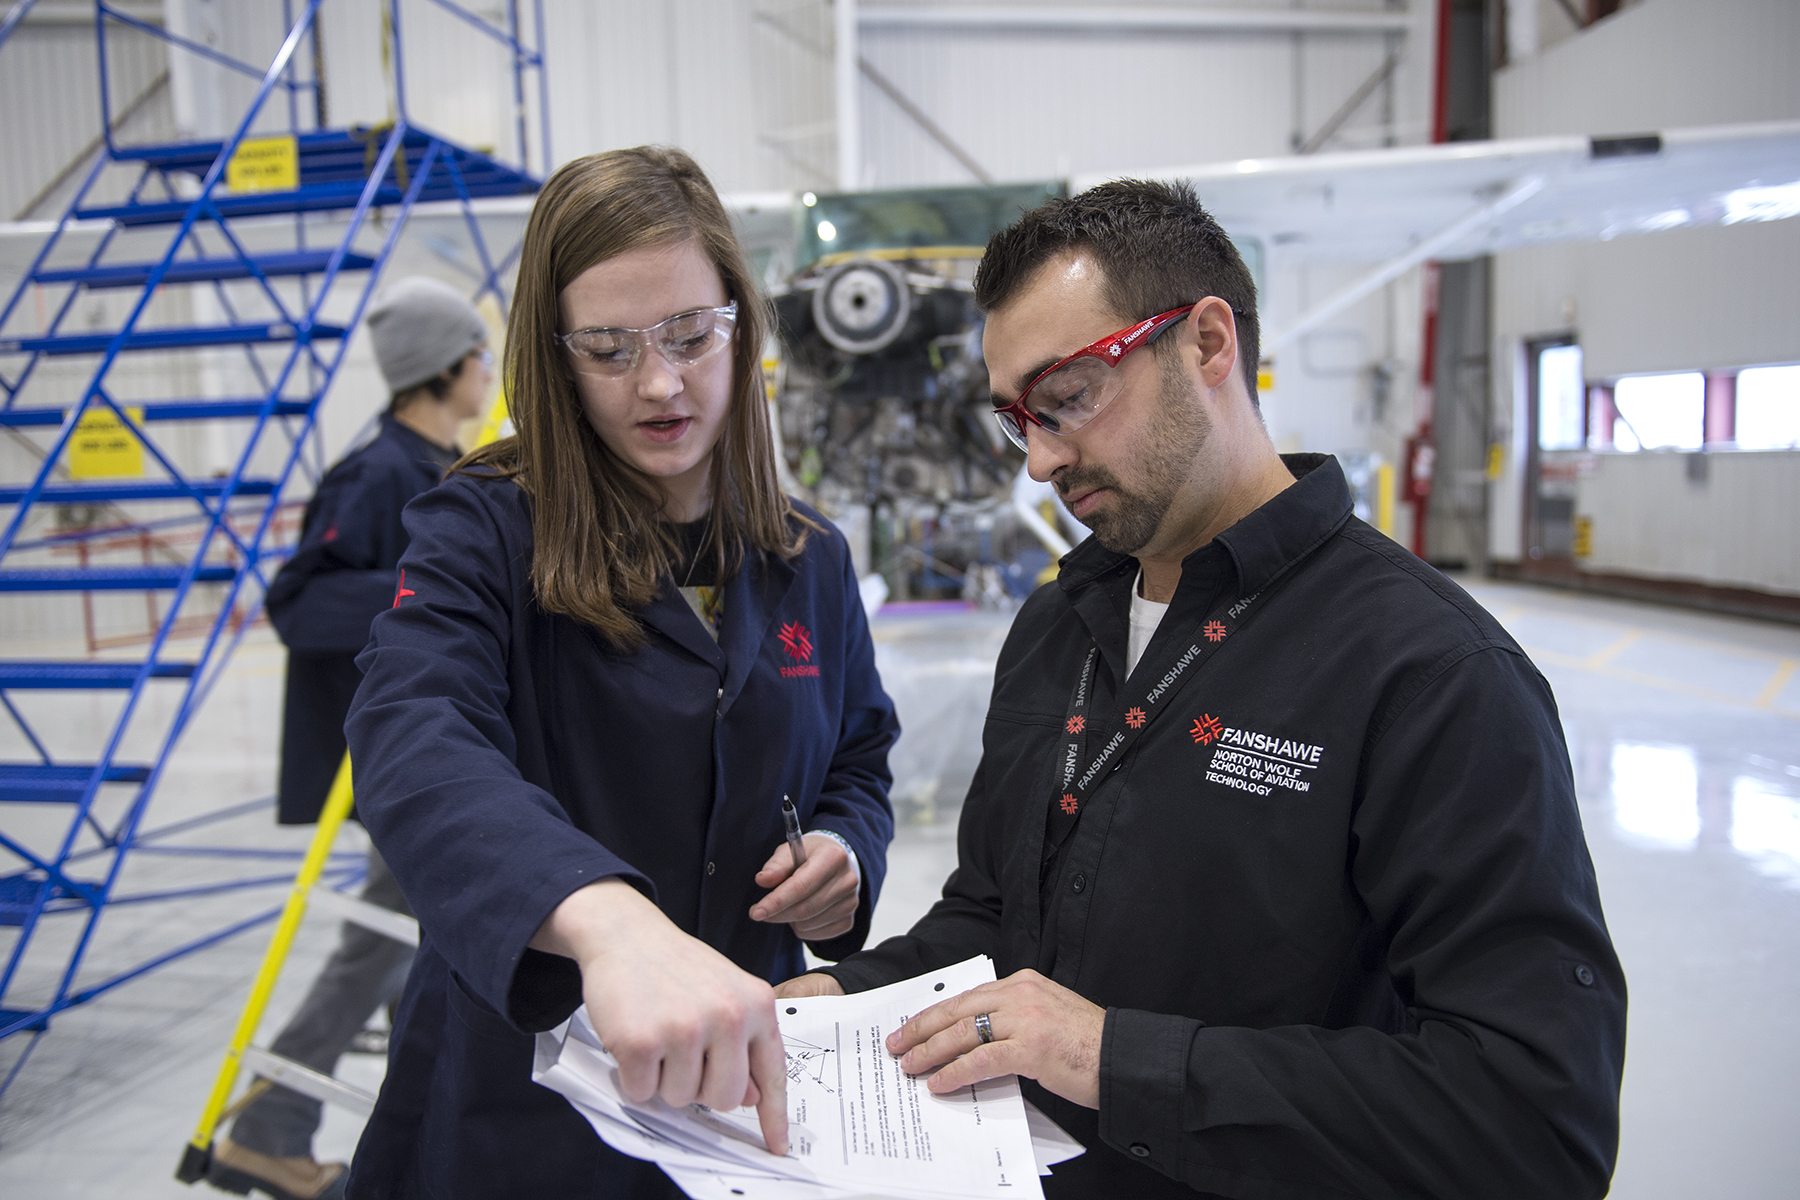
point(1494, 1087)
point(437, 782)
point(853, 799)
point(342, 572)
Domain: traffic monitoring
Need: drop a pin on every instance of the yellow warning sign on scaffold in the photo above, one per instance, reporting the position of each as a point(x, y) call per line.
point(103, 447)
point(266, 164)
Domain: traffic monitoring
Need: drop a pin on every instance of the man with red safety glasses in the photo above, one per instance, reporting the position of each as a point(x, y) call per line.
point(1274, 839)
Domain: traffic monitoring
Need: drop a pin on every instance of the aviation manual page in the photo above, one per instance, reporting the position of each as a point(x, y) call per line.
point(858, 1125)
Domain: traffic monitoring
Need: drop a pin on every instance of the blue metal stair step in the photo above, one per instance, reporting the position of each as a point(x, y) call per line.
point(18, 894)
point(108, 579)
point(202, 270)
point(168, 410)
point(334, 167)
point(9, 1017)
point(167, 339)
point(46, 675)
point(135, 489)
point(36, 783)
point(320, 197)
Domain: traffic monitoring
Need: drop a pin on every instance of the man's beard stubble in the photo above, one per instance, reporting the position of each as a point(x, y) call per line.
point(1166, 450)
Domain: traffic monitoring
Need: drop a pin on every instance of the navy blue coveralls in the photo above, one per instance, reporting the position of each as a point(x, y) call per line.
point(506, 757)
point(322, 600)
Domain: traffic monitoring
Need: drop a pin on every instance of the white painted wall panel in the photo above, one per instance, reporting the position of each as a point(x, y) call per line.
point(1734, 528)
point(1042, 104)
point(1684, 300)
point(1681, 300)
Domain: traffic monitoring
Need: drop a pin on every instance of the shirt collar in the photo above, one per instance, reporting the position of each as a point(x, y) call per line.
point(1262, 545)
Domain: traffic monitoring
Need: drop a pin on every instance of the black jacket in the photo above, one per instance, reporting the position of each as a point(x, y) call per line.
point(506, 757)
point(1396, 982)
point(322, 600)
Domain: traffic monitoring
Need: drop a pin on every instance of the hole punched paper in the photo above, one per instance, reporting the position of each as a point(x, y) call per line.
point(858, 1124)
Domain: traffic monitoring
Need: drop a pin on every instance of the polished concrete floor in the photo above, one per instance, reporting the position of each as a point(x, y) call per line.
point(1685, 734)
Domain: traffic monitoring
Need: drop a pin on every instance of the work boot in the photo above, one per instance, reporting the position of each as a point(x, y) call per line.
point(238, 1170)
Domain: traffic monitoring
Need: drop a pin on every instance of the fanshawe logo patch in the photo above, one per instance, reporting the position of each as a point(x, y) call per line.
point(1257, 762)
point(796, 639)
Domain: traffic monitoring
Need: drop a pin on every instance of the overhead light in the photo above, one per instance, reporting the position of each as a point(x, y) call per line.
point(827, 231)
point(1763, 203)
point(809, 199)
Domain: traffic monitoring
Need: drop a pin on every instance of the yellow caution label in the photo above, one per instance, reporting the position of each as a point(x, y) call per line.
point(104, 448)
point(1496, 462)
point(1582, 544)
point(1265, 376)
point(265, 164)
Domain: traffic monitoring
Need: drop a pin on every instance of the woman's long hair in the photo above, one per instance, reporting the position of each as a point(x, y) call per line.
point(601, 546)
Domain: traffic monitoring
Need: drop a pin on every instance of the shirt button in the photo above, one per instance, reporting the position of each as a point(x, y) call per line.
point(1075, 885)
point(1140, 1150)
point(711, 867)
point(1584, 976)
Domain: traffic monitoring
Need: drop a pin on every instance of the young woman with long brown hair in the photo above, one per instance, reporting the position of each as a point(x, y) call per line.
point(614, 647)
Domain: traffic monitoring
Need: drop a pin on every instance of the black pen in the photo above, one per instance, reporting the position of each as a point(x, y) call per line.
point(790, 820)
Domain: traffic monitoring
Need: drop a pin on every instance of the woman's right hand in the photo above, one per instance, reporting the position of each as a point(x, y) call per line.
point(682, 1020)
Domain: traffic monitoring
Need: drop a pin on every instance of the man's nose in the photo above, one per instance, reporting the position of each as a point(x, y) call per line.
point(1045, 453)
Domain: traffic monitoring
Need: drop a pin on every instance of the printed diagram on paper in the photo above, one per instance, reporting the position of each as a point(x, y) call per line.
point(807, 1066)
point(858, 1125)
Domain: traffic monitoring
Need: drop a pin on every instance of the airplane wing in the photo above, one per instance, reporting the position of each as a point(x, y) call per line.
point(1458, 200)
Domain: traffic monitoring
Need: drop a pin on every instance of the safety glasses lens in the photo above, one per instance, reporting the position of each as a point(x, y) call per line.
point(685, 340)
point(1073, 395)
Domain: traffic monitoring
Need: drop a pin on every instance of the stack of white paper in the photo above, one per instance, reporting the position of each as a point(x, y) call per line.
point(858, 1125)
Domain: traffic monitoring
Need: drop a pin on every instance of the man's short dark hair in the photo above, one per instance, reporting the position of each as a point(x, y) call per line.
point(1156, 247)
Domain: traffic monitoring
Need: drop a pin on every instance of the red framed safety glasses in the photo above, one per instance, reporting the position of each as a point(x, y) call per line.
point(1073, 392)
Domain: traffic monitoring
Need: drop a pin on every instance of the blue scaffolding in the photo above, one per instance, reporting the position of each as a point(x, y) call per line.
point(274, 303)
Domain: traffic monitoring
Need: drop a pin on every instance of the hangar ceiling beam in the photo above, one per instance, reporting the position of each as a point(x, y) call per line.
point(1104, 19)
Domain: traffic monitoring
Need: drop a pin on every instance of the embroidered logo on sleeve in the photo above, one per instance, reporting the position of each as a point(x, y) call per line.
point(1257, 762)
point(403, 589)
point(796, 639)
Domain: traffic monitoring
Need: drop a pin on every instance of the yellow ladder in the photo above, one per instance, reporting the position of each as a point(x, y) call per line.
point(196, 1156)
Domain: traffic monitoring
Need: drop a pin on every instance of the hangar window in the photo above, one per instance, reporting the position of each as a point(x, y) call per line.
point(1658, 412)
point(1768, 408)
point(1561, 398)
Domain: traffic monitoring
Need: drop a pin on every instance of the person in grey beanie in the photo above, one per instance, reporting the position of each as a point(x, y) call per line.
point(431, 346)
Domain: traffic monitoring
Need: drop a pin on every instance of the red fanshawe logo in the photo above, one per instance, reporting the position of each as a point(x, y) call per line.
point(797, 641)
point(1135, 718)
point(1207, 729)
point(1076, 724)
point(1214, 631)
point(1069, 804)
point(403, 590)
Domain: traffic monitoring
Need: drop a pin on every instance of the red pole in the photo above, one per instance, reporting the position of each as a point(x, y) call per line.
point(1421, 451)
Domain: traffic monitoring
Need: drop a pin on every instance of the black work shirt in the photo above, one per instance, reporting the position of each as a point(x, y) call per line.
point(1336, 900)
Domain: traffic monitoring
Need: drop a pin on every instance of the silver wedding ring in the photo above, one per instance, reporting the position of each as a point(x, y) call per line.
point(983, 1029)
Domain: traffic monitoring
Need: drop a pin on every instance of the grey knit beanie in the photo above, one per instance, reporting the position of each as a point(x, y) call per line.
point(421, 327)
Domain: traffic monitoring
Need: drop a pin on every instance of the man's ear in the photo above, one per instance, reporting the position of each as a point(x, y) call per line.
point(1215, 339)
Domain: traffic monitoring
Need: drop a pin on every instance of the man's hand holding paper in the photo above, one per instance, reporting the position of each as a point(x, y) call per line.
point(1039, 1029)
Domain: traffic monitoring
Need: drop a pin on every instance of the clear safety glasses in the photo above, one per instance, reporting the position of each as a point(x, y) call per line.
point(1072, 392)
point(685, 340)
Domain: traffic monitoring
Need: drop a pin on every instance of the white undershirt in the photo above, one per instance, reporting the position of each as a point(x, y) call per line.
point(1146, 615)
